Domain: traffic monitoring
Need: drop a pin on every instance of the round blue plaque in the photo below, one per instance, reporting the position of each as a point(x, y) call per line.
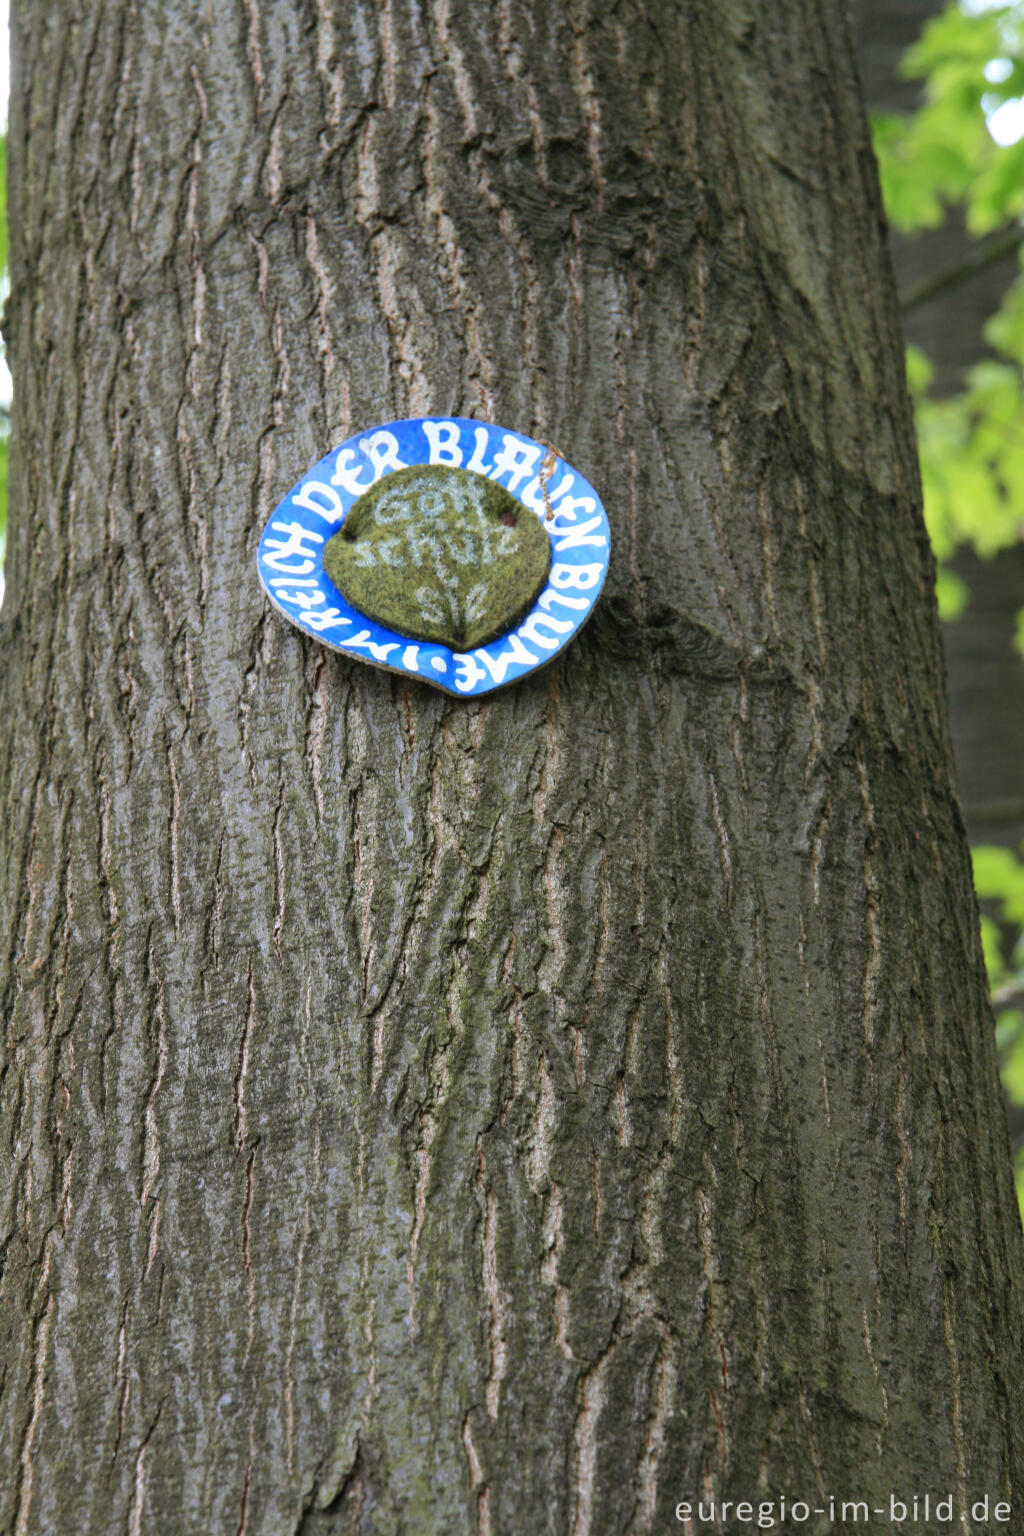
point(291, 550)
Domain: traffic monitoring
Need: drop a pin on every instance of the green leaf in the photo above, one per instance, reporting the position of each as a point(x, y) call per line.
point(955, 41)
point(999, 877)
point(951, 592)
point(1005, 329)
point(944, 152)
point(1012, 1070)
point(919, 372)
point(911, 201)
point(991, 944)
point(997, 191)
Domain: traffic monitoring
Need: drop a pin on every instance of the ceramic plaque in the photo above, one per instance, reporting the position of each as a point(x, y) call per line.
point(457, 587)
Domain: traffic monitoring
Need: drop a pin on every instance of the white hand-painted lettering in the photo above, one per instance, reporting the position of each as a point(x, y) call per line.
point(467, 672)
point(296, 530)
point(581, 576)
point(517, 460)
point(293, 568)
point(533, 628)
point(329, 618)
point(363, 642)
point(478, 464)
point(381, 448)
point(582, 537)
point(348, 478)
point(291, 554)
point(549, 597)
point(310, 497)
point(565, 512)
point(497, 666)
point(533, 496)
point(301, 599)
point(443, 437)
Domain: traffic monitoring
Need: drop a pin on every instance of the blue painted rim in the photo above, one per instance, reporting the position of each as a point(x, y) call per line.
point(290, 554)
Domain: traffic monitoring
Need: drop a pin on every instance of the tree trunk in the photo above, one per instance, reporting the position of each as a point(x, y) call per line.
point(985, 676)
point(986, 680)
point(435, 1117)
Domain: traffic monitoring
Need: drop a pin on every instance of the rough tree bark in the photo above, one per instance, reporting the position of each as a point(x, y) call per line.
point(429, 1117)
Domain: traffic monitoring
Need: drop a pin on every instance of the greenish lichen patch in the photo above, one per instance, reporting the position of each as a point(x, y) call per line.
point(441, 554)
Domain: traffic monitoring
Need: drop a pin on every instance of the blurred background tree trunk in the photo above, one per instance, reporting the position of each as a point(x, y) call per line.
point(433, 1117)
point(985, 675)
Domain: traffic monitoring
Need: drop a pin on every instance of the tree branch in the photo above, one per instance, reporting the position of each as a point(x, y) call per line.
point(992, 251)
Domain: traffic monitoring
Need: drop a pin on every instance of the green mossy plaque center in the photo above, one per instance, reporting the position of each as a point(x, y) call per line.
point(442, 554)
